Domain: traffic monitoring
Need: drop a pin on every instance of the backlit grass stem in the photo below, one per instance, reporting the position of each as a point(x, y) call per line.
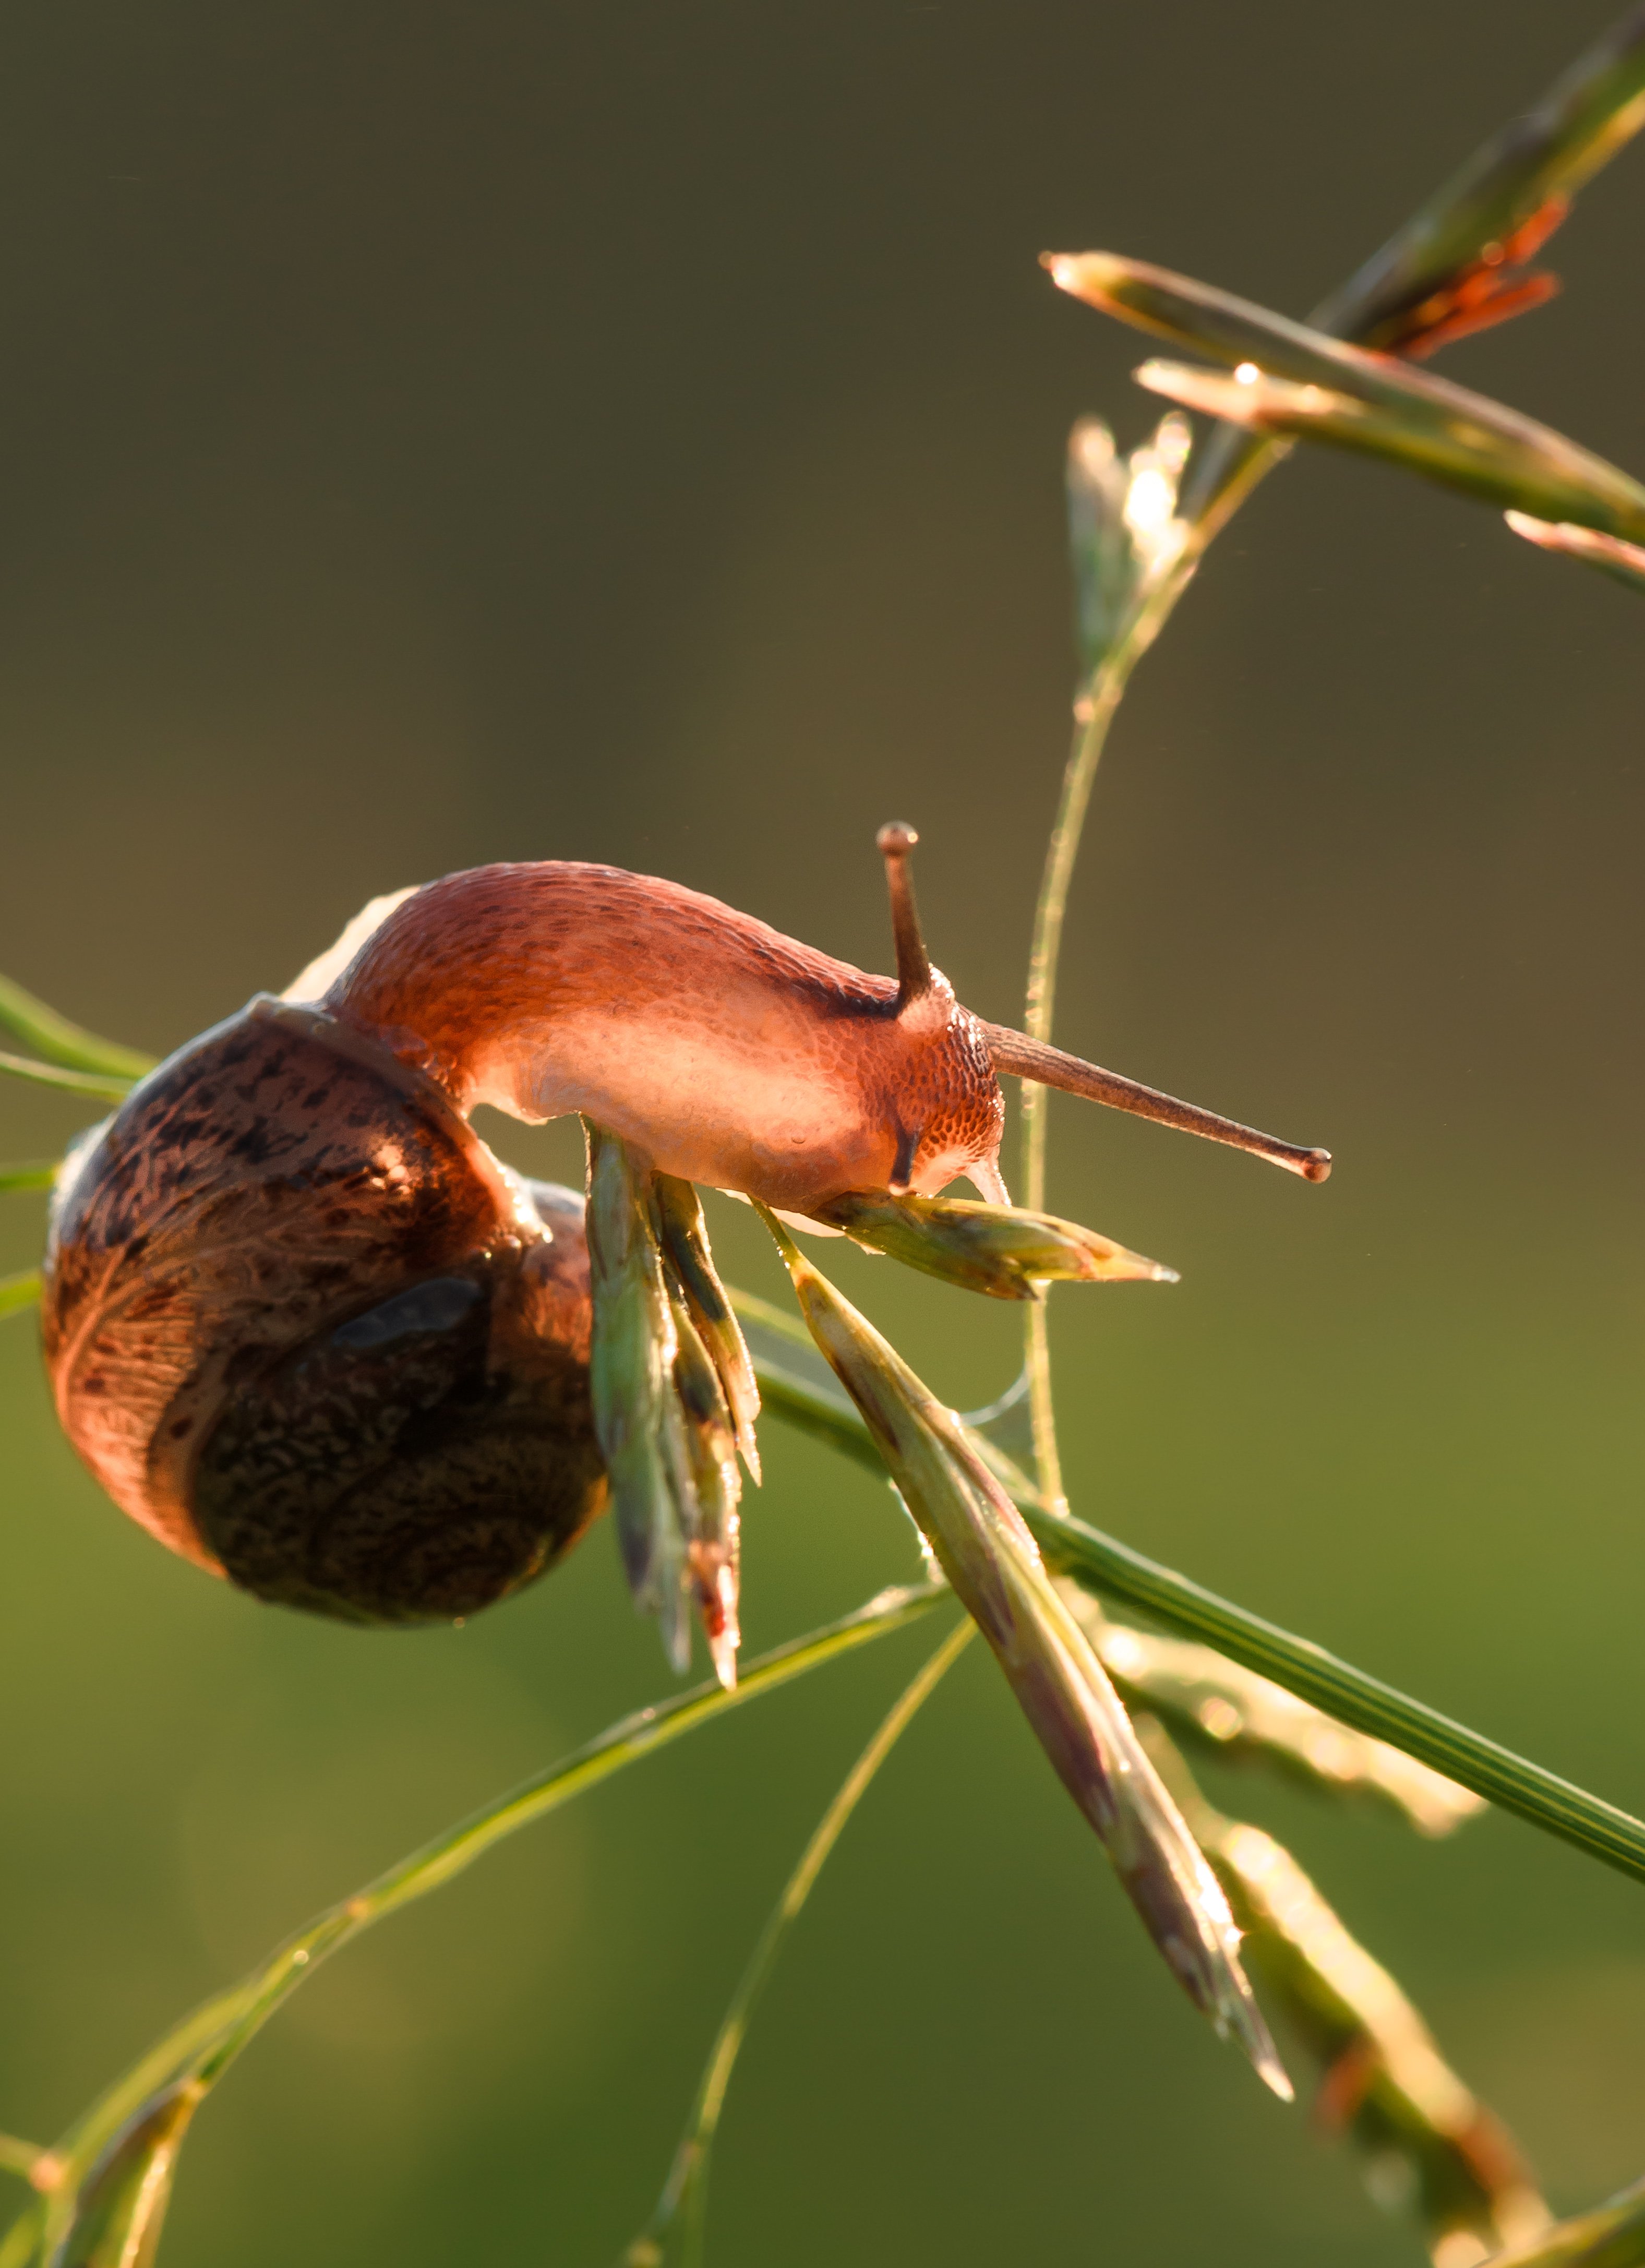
point(1103, 697)
point(1116, 1571)
point(200, 2048)
point(687, 2186)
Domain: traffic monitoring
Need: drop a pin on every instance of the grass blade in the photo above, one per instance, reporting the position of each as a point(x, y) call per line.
point(1358, 1700)
point(687, 2186)
point(1611, 2236)
point(1625, 562)
point(1333, 391)
point(1428, 2140)
point(1211, 1702)
point(120, 2206)
point(56, 1041)
point(20, 2246)
point(199, 2050)
point(106, 1089)
point(30, 1174)
point(1114, 1570)
point(19, 1292)
point(1001, 1250)
point(990, 1558)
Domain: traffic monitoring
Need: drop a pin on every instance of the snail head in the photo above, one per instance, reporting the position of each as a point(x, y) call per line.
point(959, 1132)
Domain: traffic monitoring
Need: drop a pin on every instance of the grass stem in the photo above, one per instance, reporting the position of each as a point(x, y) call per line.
point(687, 2186)
point(1116, 1571)
point(1094, 713)
point(101, 1087)
point(209, 2039)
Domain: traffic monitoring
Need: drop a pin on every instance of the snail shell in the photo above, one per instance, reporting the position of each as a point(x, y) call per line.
point(305, 1328)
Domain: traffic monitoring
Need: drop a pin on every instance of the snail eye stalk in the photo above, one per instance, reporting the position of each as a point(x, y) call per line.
point(894, 843)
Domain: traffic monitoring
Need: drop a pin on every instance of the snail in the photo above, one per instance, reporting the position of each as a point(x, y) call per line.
point(312, 1334)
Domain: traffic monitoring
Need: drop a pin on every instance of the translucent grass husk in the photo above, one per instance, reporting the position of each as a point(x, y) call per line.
point(712, 1548)
point(1428, 2142)
point(662, 1388)
point(1624, 562)
point(1436, 426)
point(632, 1357)
point(1534, 165)
point(686, 1253)
point(990, 1558)
point(1212, 1704)
point(1002, 1250)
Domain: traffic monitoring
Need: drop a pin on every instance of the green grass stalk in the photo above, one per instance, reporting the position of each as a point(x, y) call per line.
point(209, 2038)
point(1096, 709)
point(101, 1089)
point(1113, 1571)
point(687, 2186)
point(57, 1041)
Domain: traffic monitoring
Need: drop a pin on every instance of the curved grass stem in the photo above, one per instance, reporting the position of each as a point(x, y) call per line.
point(208, 2040)
point(1527, 172)
point(1512, 1782)
point(1103, 693)
point(29, 1173)
point(56, 1040)
point(100, 1085)
point(686, 2188)
point(1113, 1571)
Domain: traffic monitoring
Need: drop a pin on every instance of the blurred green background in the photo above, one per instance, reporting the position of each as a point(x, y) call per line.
point(435, 434)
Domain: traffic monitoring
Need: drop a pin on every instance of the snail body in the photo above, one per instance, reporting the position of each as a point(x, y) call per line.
point(305, 1328)
point(728, 1054)
point(725, 1051)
